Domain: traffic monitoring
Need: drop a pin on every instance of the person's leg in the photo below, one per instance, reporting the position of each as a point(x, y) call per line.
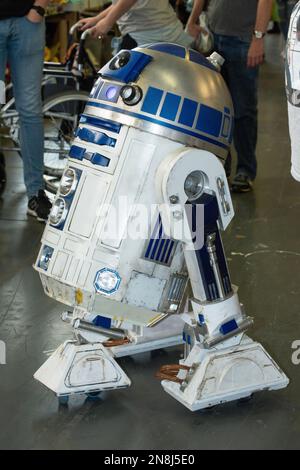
point(4, 32)
point(283, 17)
point(242, 83)
point(25, 54)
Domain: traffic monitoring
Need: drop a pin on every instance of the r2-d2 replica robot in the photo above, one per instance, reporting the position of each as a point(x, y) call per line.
point(133, 241)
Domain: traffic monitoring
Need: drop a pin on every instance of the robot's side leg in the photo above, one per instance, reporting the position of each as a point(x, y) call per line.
point(221, 363)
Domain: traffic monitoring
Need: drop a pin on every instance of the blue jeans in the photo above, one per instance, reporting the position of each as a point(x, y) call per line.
point(242, 82)
point(22, 47)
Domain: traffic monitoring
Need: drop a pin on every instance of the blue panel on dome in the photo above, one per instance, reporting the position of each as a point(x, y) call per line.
point(152, 120)
point(171, 49)
point(188, 112)
point(152, 100)
point(170, 106)
point(128, 72)
point(200, 59)
point(209, 120)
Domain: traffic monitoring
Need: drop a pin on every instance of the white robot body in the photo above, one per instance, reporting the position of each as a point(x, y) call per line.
point(133, 242)
point(81, 250)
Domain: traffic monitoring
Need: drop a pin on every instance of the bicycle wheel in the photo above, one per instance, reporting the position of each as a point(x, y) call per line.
point(61, 115)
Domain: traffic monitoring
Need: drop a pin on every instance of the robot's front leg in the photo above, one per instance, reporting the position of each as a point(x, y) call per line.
point(88, 364)
point(85, 365)
point(221, 363)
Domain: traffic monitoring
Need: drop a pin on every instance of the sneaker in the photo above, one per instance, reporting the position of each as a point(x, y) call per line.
point(241, 184)
point(39, 206)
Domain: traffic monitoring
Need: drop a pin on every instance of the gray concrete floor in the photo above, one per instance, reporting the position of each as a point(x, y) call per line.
point(263, 248)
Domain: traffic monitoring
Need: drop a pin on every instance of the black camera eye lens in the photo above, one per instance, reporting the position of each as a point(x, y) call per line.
point(131, 94)
point(120, 61)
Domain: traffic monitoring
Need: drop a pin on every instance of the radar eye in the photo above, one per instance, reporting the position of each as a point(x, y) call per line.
point(120, 61)
point(131, 94)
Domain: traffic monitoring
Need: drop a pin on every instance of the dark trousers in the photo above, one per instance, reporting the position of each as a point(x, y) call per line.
point(127, 43)
point(242, 83)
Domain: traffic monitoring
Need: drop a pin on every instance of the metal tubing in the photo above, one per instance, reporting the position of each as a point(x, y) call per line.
point(113, 333)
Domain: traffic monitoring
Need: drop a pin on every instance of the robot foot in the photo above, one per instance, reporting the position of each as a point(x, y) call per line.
point(222, 375)
point(81, 368)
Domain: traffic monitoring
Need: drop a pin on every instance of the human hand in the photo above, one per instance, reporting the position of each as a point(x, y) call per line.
point(193, 29)
point(256, 53)
point(34, 17)
point(101, 29)
point(87, 23)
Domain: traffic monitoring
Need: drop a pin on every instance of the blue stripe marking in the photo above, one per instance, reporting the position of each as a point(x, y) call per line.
point(160, 232)
point(98, 159)
point(167, 245)
point(188, 112)
point(160, 248)
point(152, 100)
point(102, 123)
point(170, 106)
point(149, 248)
point(98, 138)
point(153, 257)
point(153, 237)
point(77, 152)
point(169, 252)
point(172, 49)
point(158, 122)
point(80, 153)
point(226, 110)
point(209, 120)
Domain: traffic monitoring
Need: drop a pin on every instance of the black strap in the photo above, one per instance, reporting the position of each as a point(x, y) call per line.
point(127, 42)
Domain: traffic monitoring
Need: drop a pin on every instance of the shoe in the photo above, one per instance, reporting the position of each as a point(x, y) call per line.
point(39, 206)
point(241, 184)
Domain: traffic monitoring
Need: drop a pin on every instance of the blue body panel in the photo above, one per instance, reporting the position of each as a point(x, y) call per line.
point(152, 100)
point(211, 216)
point(170, 106)
point(160, 123)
